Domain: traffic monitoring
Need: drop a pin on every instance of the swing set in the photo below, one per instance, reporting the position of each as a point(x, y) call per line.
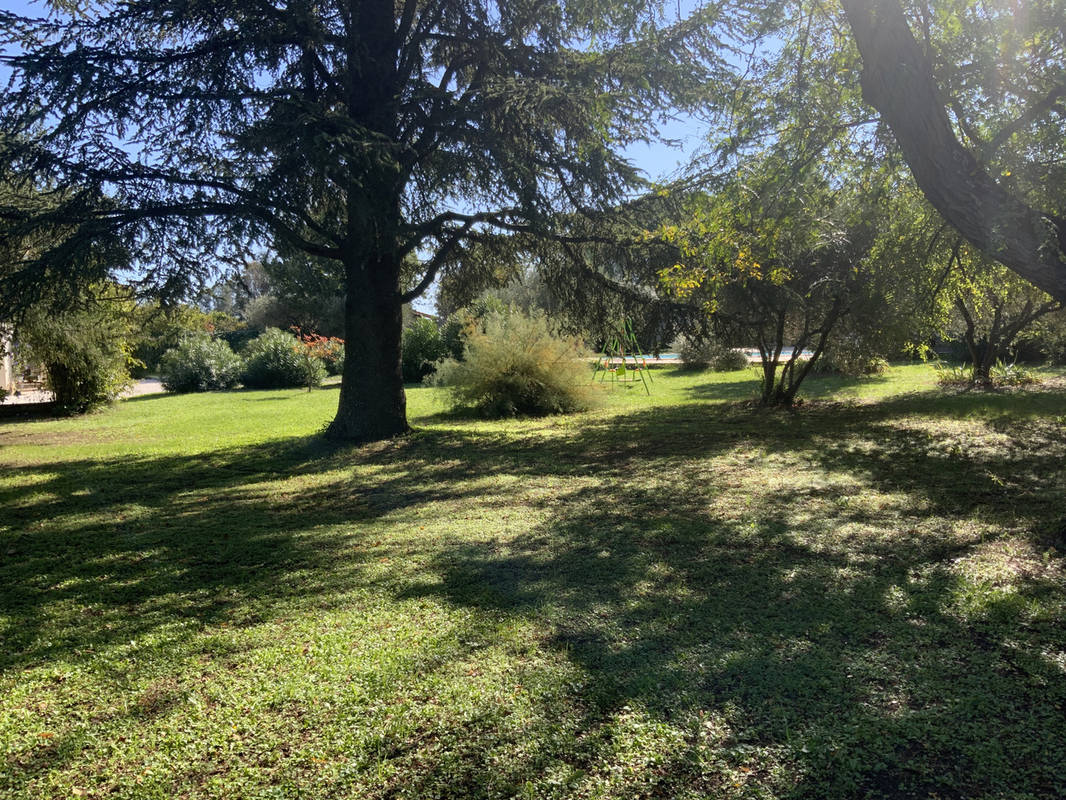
point(621, 361)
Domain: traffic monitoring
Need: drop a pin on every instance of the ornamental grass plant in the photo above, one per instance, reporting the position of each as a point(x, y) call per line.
point(515, 365)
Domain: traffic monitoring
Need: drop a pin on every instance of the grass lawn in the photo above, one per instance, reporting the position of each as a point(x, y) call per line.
point(675, 596)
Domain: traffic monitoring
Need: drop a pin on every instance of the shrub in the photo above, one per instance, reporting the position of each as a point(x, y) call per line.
point(707, 353)
point(85, 353)
point(422, 348)
point(850, 362)
point(953, 375)
point(198, 364)
point(729, 360)
point(999, 374)
point(1011, 375)
point(695, 353)
point(514, 365)
point(159, 329)
point(328, 349)
point(277, 360)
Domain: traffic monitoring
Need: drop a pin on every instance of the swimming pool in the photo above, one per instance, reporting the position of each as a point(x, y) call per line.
point(750, 352)
point(786, 354)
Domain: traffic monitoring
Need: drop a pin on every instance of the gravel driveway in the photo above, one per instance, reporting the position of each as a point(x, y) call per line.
point(144, 386)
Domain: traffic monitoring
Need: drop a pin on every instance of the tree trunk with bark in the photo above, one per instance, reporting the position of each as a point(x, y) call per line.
point(897, 80)
point(372, 404)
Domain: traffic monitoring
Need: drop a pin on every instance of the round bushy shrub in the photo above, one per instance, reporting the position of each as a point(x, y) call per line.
point(278, 360)
point(199, 364)
point(708, 353)
point(729, 360)
point(850, 364)
point(695, 353)
point(515, 365)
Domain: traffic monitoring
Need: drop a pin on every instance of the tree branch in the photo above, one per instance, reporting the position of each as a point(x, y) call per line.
point(1027, 117)
point(897, 79)
point(436, 263)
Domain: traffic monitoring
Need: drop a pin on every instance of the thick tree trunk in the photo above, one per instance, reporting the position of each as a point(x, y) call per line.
point(897, 80)
point(372, 403)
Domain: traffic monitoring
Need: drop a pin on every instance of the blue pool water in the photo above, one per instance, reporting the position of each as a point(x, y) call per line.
point(786, 354)
point(749, 352)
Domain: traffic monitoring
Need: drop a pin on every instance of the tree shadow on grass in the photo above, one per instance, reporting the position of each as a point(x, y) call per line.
point(850, 647)
point(209, 508)
point(837, 638)
point(737, 390)
point(133, 543)
point(852, 668)
point(28, 412)
point(816, 387)
point(147, 398)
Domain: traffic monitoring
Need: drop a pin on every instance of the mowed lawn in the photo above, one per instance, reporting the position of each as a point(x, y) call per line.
point(675, 596)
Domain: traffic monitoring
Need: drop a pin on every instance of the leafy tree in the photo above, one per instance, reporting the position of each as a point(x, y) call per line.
point(158, 328)
point(422, 346)
point(80, 331)
point(799, 235)
point(768, 272)
point(1048, 337)
point(294, 291)
point(327, 349)
point(805, 261)
point(359, 132)
point(995, 308)
point(970, 94)
point(307, 291)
